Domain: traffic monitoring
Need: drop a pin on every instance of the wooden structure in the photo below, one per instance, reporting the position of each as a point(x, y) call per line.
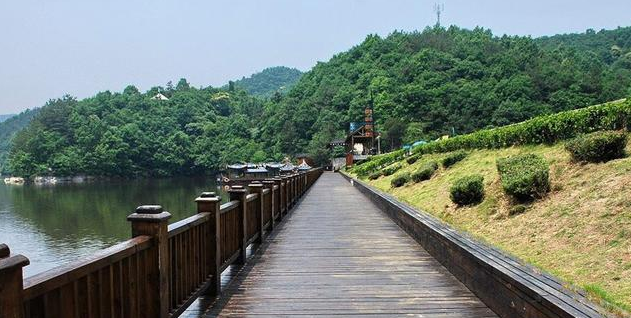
point(340, 256)
point(163, 268)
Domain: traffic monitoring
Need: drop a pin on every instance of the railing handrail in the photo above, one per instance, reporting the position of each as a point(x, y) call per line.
point(251, 197)
point(58, 276)
point(229, 206)
point(185, 224)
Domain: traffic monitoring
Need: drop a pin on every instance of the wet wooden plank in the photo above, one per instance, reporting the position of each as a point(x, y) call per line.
point(339, 255)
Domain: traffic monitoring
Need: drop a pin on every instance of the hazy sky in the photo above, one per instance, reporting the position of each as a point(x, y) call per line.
point(52, 47)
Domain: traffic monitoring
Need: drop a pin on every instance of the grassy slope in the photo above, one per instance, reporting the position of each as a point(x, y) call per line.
point(580, 232)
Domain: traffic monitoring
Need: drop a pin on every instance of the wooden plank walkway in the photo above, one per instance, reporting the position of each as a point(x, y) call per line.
point(338, 255)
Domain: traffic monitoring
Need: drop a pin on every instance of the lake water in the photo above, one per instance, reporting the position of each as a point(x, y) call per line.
point(56, 224)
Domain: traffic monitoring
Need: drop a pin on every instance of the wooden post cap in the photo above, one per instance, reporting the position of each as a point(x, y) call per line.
point(13, 262)
point(208, 195)
point(202, 198)
point(4, 251)
point(149, 213)
point(149, 209)
point(237, 189)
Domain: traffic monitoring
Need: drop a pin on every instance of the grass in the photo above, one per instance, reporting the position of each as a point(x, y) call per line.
point(580, 231)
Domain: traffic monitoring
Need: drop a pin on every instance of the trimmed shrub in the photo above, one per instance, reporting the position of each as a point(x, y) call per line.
point(390, 170)
point(467, 190)
point(452, 158)
point(375, 175)
point(600, 146)
point(425, 172)
point(400, 180)
point(542, 129)
point(524, 176)
point(412, 159)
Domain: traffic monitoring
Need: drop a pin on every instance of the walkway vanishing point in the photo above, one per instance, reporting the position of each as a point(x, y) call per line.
point(319, 246)
point(338, 255)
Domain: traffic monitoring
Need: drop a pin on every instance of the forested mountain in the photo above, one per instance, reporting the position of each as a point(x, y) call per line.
point(422, 84)
point(133, 134)
point(8, 129)
point(426, 84)
point(269, 81)
point(5, 117)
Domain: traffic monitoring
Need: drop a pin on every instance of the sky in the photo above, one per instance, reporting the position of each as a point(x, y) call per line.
point(49, 48)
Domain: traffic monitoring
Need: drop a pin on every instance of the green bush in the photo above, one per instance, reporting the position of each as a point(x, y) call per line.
point(400, 180)
point(412, 159)
point(542, 129)
point(524, 176)
point(390, 170)
point(600, 146)
point(467, 190)
point(425, 172)
point(375, 175)
point(453, 158)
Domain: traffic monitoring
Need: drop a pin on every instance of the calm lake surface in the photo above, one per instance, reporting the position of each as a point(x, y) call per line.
point(56, 224)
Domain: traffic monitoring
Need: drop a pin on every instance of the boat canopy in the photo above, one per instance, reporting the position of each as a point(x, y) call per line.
point(304, 166)
point(256, 170)
point(287, 167)
point(237, 166)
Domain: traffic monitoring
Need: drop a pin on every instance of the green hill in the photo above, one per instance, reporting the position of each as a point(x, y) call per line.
point(8, 129)
point(431, 83)
point(133, 134)
point(579, 231)
point(269, 81)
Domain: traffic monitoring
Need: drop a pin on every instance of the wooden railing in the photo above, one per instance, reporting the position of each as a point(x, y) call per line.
point(163, 268)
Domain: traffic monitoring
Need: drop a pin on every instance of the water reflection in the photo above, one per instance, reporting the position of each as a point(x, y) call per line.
point(52, 225)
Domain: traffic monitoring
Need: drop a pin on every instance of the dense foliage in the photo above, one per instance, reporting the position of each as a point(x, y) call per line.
point(8, 129)
point(400, 180)
point(600, 146)
point(443, 80)
point(269, 81)
point(425, 172)
point(422, 84)
point(132, 134)
point(542, 129)
point(524, 176)
point(377, 162)
point(467, 190)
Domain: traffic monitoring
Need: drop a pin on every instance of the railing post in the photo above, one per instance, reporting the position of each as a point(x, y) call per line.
point(285, 194)
point(269, 184)
point(11, 283)
point(281, 196)
point(152, 221)
point(257, 188)
point(239, 193)
point(209, 202)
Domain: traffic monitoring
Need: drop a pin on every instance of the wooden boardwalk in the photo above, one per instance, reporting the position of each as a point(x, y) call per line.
point(338, 255)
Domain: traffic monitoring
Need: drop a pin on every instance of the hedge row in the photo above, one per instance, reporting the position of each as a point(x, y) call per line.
point(542, 129)
point(377, 162)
